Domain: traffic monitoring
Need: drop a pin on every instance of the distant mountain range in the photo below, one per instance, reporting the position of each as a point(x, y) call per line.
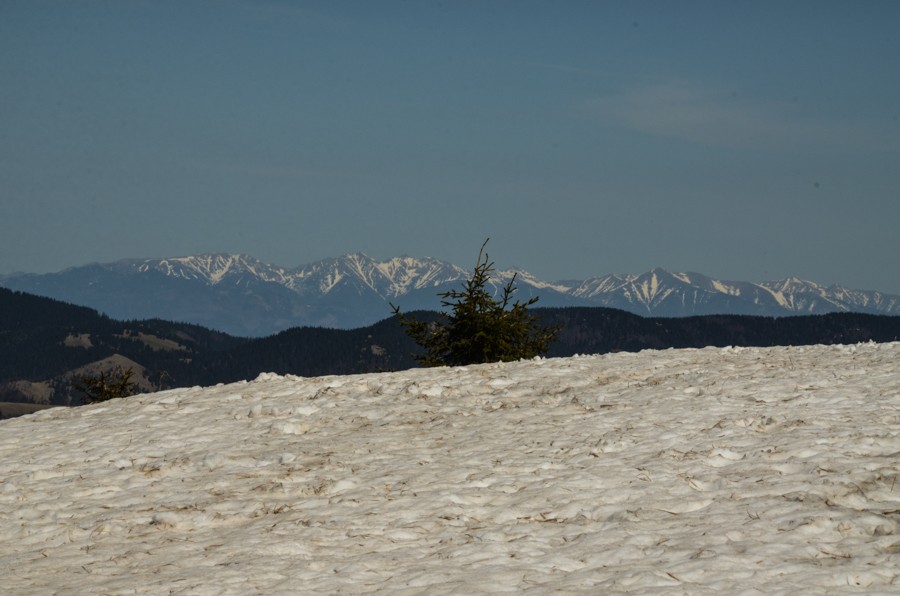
point(243, 296)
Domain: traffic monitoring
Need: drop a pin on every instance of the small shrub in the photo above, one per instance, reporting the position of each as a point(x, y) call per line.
point(479, 328)
point(105, 386)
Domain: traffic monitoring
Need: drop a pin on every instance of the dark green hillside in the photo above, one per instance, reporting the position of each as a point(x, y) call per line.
point(384, 346)
point(310, 351)
point(601, 330)
point(33, 331)
point(44, 343)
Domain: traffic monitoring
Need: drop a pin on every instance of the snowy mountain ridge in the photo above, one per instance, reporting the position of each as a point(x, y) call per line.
point(391, 278)
point(242, 295)
point(399, 275)
point(212, 268)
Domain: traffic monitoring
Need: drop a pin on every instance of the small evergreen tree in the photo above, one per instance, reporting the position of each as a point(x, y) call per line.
point(479, 328)
point(102, 387)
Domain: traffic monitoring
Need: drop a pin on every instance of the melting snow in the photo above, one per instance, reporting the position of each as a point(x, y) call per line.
point(714, 470)
point(725, 288)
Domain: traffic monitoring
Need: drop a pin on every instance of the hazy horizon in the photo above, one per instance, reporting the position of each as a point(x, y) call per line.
point(749, 141)
point(500, 266)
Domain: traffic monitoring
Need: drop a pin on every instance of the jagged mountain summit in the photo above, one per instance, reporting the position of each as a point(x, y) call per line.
point(394, 277)
point(212, 268)
point(390, 279)
point(661, 293)
point(244, 296)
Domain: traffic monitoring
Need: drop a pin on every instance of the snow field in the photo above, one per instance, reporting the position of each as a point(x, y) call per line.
point(732, 470)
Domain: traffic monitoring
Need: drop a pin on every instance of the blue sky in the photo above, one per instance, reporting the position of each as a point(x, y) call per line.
point(743, 140)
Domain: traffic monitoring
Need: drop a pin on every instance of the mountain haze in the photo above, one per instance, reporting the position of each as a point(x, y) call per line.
point(243, 296)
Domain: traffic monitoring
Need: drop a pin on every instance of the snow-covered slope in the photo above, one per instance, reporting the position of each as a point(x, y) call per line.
point(732, 471)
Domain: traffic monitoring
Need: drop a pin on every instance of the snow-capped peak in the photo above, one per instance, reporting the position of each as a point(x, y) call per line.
point(212, 268)
point(390, 278)
point(354, 290)
point(792, 284)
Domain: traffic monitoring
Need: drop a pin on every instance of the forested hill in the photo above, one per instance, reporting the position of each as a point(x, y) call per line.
point(45, 343)
point(384, 346)
point(600, 330)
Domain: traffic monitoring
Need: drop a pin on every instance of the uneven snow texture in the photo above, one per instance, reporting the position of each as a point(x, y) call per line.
point(736, 470)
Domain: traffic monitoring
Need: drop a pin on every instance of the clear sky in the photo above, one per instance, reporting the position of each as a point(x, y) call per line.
point(744, 140)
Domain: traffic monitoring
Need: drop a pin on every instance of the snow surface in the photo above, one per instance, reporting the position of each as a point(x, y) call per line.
point(735, 470)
